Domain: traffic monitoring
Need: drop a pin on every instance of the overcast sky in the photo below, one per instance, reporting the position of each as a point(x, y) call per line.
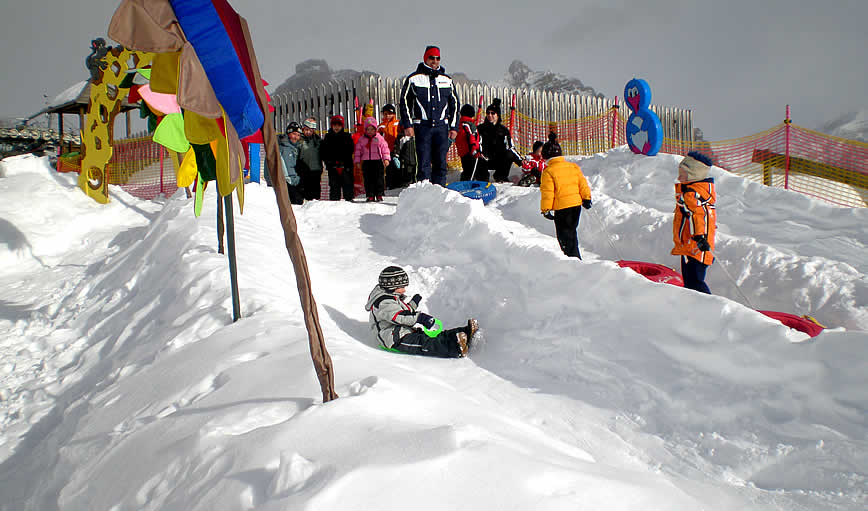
point(736, 63)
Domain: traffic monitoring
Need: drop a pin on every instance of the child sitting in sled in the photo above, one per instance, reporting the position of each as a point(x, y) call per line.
point(532, 166)
point(394, 318)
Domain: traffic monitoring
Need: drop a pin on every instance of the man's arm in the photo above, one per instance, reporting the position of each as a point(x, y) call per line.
point(407, 98)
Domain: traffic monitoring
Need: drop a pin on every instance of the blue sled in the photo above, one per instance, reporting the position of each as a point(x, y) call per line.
point(475, 190)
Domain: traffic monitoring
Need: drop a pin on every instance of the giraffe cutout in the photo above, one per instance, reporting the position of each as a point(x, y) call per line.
point(106, 97)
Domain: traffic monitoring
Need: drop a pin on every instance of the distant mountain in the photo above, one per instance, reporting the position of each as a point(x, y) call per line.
point(852, 125)
point(520, 75)
point(313, 72)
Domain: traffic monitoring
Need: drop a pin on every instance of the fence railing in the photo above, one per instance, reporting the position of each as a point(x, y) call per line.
point(787, 156)
point(564, 109)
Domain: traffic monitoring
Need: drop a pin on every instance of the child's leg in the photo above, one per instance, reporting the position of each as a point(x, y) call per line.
point(410, 173)
point(566, 223)
point(445, 345)
point(347, 183)
point(335, 182)
point(693, 273)
point(368, 174)
point(381, 179)
point(467, 167)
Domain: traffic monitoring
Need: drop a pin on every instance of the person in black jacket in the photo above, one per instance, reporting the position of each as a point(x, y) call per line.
point(429, 111)
point(336, 151)
point(497, 143)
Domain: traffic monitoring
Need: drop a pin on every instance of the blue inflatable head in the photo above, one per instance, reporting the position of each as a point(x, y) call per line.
point(637, 94)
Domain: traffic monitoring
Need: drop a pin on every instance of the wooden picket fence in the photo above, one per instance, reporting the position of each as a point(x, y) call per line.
point(541, 107)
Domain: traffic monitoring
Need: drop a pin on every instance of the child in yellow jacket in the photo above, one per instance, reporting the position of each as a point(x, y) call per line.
point(695, 222)
point(564, 191)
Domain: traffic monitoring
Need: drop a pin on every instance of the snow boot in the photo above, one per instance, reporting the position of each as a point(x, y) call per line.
point(472, 328)
point(463, 347)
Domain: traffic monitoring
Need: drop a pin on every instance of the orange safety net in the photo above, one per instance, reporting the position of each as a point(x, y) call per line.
point(786, 156)
point(588, 135)
point(140, 166)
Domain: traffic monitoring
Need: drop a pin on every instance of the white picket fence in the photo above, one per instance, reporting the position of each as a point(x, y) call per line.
point(337, 97)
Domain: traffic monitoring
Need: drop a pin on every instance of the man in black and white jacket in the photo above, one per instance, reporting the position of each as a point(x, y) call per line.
point(429, 111)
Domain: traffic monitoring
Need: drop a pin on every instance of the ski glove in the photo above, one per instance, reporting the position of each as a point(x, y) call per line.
point(416, 299)
point(396, 162)
point(702, 242)
point(293, 180)
point(425, 320)
point(586, 203)
point(550, 215)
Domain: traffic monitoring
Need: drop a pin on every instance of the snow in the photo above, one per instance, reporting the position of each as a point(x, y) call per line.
point(124, 383)
point(69, 94)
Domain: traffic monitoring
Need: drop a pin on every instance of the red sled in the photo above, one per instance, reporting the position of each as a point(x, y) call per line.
point(654, 272)
point(805, 324)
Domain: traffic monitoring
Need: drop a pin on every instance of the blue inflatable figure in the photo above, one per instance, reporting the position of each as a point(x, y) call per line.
point(644, 130)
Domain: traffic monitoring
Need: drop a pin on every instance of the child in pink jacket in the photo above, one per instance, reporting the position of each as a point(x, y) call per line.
point(372, 155)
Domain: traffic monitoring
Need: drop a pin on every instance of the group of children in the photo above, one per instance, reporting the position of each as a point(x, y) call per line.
point(564, 191)
point(374, 150)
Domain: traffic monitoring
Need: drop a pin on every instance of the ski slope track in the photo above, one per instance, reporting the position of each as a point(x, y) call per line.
point(124, 385)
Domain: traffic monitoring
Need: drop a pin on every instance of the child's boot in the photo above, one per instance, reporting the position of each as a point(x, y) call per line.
point(472, 328)
point(462, 343)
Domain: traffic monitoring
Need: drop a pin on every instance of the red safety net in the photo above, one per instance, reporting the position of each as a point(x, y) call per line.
point(788, 156)
point(140, 166)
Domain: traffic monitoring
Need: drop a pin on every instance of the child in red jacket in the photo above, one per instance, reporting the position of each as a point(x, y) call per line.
point(532, 166)
point(467, 143)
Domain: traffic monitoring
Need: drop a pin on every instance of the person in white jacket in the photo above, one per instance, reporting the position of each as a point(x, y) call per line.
point(394, 318)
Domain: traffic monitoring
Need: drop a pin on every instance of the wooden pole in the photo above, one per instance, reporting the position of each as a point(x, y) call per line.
point(220, 227)
point(60, 133)
point(233, 270)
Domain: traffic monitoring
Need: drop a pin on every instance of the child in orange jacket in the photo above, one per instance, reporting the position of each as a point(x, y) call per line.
point(695, 221)
point(389, 128)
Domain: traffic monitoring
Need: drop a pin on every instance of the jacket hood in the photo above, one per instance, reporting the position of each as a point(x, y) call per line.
point(466, 119)
point(376, 293)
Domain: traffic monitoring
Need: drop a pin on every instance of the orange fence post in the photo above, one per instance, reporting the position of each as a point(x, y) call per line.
point(787, 123)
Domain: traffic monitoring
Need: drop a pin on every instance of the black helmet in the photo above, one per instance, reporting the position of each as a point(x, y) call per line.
point(389, 108)
point(393, 277)
point(293, 127)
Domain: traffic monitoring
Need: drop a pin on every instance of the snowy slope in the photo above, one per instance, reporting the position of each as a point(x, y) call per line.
point(126, 386)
